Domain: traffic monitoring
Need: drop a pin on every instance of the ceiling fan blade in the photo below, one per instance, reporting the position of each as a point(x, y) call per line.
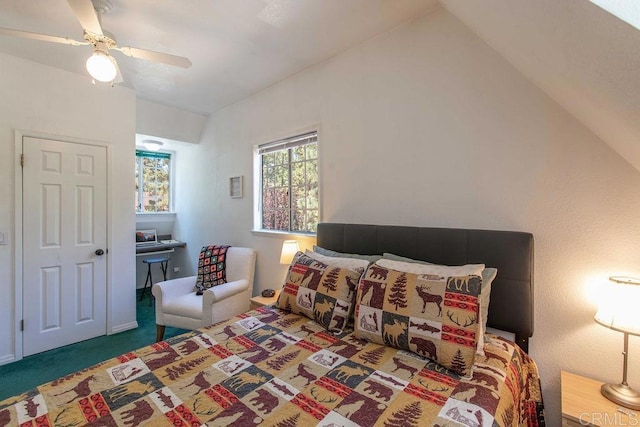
point(150, 55)
point(86, 14)
point(118, 78)
point(43, 37)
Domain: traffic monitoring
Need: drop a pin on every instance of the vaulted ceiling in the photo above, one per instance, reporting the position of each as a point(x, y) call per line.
point(584, 58)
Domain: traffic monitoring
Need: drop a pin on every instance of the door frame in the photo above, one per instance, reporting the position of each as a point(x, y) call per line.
point(20, 134)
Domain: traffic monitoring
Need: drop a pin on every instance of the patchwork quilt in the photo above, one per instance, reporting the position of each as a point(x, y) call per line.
point(275, 368)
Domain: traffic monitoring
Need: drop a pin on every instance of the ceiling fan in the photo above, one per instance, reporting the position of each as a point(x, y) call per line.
point(101, 65)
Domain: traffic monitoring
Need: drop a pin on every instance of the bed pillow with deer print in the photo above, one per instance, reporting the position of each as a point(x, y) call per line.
point(322, 292)
point(409, 265)
point(434, 315)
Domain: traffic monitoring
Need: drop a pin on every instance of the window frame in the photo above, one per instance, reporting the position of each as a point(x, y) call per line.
point(172, 160)
point(277, 145)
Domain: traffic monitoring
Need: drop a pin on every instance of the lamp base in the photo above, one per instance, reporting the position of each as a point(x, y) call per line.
point(622, 395)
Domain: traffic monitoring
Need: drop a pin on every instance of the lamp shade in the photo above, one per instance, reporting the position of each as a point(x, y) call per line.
point(101, 66)
point(289, 249)
point(618, 309)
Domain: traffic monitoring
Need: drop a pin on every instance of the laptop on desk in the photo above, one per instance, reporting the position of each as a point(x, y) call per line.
point(146, 238)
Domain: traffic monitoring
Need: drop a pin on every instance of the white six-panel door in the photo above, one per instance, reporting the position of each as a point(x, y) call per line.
point(64, 230)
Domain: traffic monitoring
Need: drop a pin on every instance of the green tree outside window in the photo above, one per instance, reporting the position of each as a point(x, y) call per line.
point(289, 184)
point(152, 181)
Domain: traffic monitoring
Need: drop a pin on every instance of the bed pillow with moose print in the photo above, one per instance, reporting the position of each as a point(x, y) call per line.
point(324, 293)
point(488, 274)
point(434, 315)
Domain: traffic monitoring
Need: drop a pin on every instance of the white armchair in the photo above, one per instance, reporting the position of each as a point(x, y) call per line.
point(177, 304)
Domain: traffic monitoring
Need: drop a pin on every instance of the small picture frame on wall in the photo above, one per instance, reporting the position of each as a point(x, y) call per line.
point(235, 187)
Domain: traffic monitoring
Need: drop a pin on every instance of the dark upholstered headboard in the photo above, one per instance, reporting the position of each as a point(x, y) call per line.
point(511, 252)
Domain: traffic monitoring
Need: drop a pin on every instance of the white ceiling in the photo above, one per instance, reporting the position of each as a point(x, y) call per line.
point(237, 47)
point(583, 57)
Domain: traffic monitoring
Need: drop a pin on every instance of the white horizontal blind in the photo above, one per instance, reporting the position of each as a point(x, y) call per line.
point(285, 144)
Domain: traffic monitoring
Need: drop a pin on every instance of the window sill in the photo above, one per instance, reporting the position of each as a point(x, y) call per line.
point(280, 234)
point(156, 217)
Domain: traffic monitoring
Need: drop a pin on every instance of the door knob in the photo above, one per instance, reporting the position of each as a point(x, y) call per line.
point(99, 252)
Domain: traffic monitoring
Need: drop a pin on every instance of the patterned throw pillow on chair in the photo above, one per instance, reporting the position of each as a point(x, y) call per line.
point(432, 315)
point(212, 265)
point(322, 292)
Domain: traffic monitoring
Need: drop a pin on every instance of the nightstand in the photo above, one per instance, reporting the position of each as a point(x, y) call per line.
point(259, 301)
point(583, 405)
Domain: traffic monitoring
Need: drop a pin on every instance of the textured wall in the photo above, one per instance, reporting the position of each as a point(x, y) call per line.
point(428, 125)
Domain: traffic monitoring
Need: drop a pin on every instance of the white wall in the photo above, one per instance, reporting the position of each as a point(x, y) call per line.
point(584, 57)
point(176, 129)
point(167, 122)
point(36, 98)
point(429, 126)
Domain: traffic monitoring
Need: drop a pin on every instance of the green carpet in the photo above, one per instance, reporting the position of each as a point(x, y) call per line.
point(25, 374)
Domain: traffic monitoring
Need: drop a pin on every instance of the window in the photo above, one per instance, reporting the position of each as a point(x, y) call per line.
point(288, 184)
point(152, 181)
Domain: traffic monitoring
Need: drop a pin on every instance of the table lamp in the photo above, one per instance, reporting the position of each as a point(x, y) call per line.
point(289, 250)
point(620, 311)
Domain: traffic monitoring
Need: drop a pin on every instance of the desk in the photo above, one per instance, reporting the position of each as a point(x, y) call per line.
point(159, 248)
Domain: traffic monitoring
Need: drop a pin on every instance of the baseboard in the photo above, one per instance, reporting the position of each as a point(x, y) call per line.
point(125, 327)
point(8, 359)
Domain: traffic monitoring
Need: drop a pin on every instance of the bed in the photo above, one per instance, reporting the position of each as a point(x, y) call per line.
point(274, 367)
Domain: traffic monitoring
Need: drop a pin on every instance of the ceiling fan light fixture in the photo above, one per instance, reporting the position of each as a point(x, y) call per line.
point(102, 67)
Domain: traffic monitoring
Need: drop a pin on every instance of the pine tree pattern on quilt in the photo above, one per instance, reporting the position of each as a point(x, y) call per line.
point(269, 367)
